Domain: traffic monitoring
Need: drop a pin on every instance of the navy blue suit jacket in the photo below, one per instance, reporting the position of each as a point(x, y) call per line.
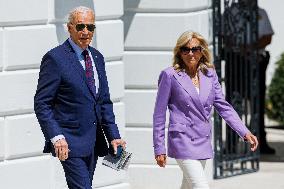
point(65, 105)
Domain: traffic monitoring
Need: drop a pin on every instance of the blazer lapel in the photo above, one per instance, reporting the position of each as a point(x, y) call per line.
point(205, 87)
point(95, 58)
point(76, 64)
point(188, 86)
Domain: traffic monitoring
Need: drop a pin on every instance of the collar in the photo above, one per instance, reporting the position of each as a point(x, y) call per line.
point(78, 50)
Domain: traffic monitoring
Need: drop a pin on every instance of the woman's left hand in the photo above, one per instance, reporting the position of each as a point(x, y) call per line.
point(252, 140)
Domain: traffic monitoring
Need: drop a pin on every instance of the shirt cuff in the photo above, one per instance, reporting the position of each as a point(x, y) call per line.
point(56, 138)
point(160, 151)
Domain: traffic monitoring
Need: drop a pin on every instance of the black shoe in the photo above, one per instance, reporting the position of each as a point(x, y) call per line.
point(267, 150)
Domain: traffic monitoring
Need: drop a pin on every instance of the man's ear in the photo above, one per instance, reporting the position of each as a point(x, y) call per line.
point(69, 26)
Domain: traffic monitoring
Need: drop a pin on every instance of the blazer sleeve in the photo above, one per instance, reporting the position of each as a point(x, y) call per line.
point(226, 111)
point(48, 83)
point(159, 116)
point(106, 107)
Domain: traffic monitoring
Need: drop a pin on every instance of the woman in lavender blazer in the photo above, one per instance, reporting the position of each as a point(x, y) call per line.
point(190, 89)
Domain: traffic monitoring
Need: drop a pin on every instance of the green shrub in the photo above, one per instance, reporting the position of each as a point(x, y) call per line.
point(275, 97)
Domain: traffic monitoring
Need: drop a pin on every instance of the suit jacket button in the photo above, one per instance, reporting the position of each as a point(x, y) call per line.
point(207, 136)
point(187, 105)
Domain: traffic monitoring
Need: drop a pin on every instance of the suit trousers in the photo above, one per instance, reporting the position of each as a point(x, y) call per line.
point(79, 171)
point(194, 176)
point(263, 63)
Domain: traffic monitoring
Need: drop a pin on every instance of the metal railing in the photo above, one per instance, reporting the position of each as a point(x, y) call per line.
point(235, 32)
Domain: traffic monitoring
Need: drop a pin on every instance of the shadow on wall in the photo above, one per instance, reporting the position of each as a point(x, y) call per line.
point(130, 9)
point(61, 10)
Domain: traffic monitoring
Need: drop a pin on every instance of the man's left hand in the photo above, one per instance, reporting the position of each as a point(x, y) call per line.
point(118, 142)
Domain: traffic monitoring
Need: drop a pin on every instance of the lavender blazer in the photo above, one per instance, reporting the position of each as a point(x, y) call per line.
point(190, 127)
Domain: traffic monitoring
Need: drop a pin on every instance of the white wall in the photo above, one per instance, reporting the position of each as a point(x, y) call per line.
point(136, 48)
point(151, 29)
point(28, 29)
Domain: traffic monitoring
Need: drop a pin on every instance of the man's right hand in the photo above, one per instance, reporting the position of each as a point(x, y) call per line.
point(161, 160)
point(61, 149)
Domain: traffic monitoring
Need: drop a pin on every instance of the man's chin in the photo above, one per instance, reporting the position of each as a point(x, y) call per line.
point(85, 43)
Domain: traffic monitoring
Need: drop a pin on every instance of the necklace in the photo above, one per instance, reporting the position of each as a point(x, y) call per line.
point(195, 81)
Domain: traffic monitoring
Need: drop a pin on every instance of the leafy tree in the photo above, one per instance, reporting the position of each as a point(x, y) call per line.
point(275, 101)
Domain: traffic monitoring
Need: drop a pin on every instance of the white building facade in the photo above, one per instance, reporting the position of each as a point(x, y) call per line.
point(151, 29)
point(136, 37)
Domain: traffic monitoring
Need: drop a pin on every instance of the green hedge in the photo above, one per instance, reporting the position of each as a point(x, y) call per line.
point(275, 97)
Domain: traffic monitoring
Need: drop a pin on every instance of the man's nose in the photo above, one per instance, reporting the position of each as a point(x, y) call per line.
point(85, 30)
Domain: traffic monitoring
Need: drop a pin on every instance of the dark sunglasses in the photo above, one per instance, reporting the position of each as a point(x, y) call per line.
point(186, 50)
point(81, 27)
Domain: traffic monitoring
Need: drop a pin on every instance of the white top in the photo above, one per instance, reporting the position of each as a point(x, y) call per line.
point(197, 89)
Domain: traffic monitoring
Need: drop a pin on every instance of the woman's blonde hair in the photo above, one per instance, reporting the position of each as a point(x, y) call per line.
point(205, 60)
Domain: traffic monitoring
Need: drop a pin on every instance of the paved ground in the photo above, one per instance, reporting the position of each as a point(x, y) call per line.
point(271, 173)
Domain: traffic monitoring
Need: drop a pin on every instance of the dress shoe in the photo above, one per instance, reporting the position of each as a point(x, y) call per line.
point(266, 150)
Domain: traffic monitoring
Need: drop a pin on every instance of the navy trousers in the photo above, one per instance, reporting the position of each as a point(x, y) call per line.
point(79, 171)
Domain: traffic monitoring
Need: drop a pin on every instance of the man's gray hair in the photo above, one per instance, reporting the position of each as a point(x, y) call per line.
point(76, 10)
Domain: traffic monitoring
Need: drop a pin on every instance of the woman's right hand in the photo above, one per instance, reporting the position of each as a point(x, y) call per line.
point(161, 160)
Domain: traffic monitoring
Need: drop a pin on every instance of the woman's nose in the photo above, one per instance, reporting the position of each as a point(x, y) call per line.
point(190, 53)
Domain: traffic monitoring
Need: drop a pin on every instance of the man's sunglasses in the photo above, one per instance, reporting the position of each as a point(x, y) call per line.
point(186, 50)
point(81, 27)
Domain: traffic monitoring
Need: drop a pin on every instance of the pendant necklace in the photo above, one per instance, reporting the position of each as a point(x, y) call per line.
point(195, 80)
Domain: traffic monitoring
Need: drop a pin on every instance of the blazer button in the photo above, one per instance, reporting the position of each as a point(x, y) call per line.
point(207, 136)
point(187, 105)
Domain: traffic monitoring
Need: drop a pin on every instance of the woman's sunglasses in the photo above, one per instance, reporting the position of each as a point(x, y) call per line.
point(81, 27)
point(186, 50)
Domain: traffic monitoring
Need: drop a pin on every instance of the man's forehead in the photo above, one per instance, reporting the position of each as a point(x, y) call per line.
point(81, 16)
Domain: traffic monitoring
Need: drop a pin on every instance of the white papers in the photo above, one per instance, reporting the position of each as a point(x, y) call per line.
point(118, 163)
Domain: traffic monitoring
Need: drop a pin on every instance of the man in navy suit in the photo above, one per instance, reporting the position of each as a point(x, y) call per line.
point(72, 102)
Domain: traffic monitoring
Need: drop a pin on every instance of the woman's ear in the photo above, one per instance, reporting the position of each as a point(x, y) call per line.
point(202, 59)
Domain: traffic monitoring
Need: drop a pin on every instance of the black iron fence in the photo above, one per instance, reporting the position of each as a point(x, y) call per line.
point(235, 32)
